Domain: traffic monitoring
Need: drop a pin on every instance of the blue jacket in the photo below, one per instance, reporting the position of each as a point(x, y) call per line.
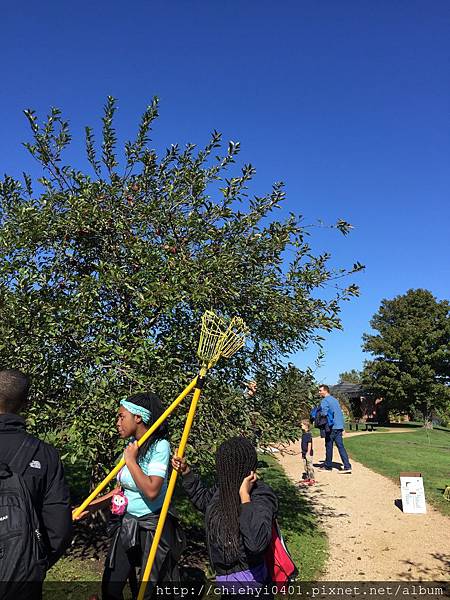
point(329, 403)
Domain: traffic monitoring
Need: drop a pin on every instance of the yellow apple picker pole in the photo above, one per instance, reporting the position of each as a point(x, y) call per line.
point(77, 512)
point(216, 341)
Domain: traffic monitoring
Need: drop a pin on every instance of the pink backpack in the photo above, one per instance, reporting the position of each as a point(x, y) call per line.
point(279, 562)
point(119, 503)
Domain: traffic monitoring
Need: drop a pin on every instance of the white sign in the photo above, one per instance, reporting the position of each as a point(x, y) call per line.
point(413, 494)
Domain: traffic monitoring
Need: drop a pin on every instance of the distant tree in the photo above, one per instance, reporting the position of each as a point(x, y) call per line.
point(104, 276)
point(352, 376)
point(411, 369)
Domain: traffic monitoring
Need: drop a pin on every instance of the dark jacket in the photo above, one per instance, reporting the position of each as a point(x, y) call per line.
point(135, 536)
point(44, 478)
point(255, 523)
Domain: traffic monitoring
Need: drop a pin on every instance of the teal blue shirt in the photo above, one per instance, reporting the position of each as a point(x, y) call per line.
point(155, 462)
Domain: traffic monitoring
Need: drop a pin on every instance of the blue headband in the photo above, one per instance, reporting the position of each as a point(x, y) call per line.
point(134, 409)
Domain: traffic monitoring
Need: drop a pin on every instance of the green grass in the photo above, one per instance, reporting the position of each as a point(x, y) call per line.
point(412, 425)
point(427, 451)
point(73, 579)
point(304, 538)
point(70, 569)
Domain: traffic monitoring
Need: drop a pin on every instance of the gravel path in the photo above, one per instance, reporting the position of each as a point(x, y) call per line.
point(370, 539)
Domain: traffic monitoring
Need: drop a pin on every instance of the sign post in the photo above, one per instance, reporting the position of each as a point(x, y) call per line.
point(413, 493)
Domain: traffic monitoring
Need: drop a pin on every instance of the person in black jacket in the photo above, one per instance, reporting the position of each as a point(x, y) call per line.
point(239, 511)
point(44, 474)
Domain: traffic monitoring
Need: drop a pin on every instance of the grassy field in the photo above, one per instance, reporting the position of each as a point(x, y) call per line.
point(306, 542)
point(419, 450)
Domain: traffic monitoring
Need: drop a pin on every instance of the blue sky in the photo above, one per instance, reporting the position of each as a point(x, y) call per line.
point(347, 102)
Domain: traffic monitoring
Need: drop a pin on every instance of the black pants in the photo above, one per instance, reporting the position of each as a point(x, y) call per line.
point(24, 591)
point(125, 567)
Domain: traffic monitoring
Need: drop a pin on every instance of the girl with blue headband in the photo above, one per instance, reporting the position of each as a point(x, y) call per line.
point(139, 496)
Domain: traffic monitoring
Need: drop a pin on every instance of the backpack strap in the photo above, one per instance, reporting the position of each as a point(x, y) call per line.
point(24, 455)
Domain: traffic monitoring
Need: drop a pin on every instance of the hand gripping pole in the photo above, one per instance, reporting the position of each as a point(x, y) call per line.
point(146, 435)
point(170, 488)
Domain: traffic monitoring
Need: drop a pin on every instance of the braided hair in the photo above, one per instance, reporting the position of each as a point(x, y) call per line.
point(235, 459)
point(151, 402)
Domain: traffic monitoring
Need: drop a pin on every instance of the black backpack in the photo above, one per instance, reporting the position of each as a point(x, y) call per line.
point(318, 418)
point(22, 553)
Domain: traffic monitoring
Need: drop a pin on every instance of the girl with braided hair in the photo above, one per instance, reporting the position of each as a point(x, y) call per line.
point(137, 500)
point(239, 511)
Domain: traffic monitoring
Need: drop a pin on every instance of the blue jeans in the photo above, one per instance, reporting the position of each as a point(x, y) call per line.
point(335, 437)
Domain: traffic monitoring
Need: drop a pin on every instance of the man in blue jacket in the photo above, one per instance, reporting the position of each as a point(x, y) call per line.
point(330, 406)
